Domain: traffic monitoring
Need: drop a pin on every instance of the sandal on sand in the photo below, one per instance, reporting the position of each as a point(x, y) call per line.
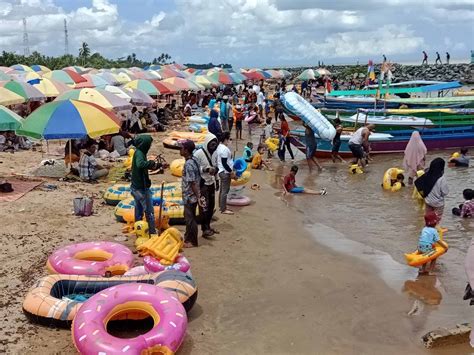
point(207, 234)
point(229, 212)
point(189, 245)
point(323, 192)
point(215, 231)
point(255, 187)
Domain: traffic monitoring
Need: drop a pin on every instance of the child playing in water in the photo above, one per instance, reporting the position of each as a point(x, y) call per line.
point(462, 160)
point(289, 184)
point(247, 155)
point(466, 209)
point(257, 161)
point(428, 237)
point(400, 179)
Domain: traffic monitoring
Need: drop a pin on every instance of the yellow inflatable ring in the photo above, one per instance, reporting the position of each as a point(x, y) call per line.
point(391, 174)
point(176, 167)
point(272, 144)
point(242, 180)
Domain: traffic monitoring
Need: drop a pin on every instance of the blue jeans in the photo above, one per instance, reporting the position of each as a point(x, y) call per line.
point(144, 203)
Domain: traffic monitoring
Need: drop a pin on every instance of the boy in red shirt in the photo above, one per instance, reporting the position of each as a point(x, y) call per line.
point(289, 185)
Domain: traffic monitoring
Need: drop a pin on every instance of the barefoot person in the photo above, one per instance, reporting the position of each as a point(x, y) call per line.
point(359, 144)
point(191, 193)
point(223, 160)
point(311, 146)
point(336, 142)
point(428, 238)
point(289, 184)
point(208, 183)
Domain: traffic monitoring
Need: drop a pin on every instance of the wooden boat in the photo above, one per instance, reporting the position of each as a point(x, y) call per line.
point(434, 139)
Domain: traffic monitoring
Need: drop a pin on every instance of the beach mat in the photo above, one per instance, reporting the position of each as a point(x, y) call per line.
point(116, 173)
point(20, 188)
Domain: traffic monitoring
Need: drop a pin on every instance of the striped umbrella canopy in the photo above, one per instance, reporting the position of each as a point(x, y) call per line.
point(123, 77)
point(8, 97)
point(4, 77)
point(275, 74)
point(221, 77)
point(70, 119)
point(183, 84)
point(204, 80)
point(99, 97)
point(109, 78)
point(253, 75)
point(21, 67)
point(94, 80)
point(308, 74)
point(120, 92)
point(138, 97)
point(166, 73)
point(50, 87)
point(154, 74)
point(9, 120)
point(176, 66)
point(65, 76)
point(5, 69)
point(40, 68)
point(27, 91)
point(150, 87)
point(238, 77)
point(154, 67)
point(149, 75)
point(285, 73)
point(26, 76)
point(76, 69)
point(323, 71)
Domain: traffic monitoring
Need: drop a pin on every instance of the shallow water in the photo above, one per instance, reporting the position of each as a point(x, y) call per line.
point(359, 218)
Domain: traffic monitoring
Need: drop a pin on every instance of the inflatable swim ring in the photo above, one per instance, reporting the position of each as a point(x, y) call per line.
point(118, 192)
point(175, 137)
point(355, 169)
point(199, 119)
point(241, 180)
point(130, 301)
point(127, 164)
point(125, 211)
point(240, 165)
point(418, 259)
point(154, 265)
point(176, 167)
point(91, 258)
point(55, 299)
point(165, 247)
point(313, 118)
point(388, 176)
point(272, 144)
point(238, 201)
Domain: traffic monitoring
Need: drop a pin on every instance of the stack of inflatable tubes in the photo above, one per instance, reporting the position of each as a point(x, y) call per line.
point(118, 192)
point(152, 264)
point(91, 258)
point(298, 106)
point(199, 119)
point(173, 139)
point(174, 210)
point(50, 301)
point(135, 302)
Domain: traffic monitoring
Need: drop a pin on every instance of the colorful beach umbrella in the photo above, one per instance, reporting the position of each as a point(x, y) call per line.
point(254, 75)
point(27, 91)
point(4, 77)
point(275, 74)
point(285, 73)
point(26, 76)
point(65, 76)
point(8, 97)
point(138, 97)
point(308, 74)
point(5, 69)
point(154, 67)
point(183, 84)
point(120, 92)
point(109, 77)
point(92, 80)
point(238, 78)
point(40, 68)
point(166, 73)
point(69, 119)
point(76, 69)
point(99, 97)
point(204, 80)
point(323, 71)
point(21, 67)
point(222, 77)
point(150, 87)
point(9, 120)
point(50, 87)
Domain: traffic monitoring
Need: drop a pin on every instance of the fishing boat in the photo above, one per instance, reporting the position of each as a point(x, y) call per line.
point(396, 141)
point(396, 119)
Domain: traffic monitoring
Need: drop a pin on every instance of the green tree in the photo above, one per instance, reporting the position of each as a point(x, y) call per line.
point(84, 52)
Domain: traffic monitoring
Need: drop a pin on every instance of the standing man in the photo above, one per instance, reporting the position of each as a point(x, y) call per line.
point(438, 58)
point(230, 113)
point(425, 58)
point(191, 193)
point(213, 126)
point(359, 144)
point(224, 113)
point(222, 158)
point(448, 57)
point(140, 186)
point(207, 184)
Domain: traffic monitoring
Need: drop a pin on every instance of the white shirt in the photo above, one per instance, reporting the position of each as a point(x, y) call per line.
point(268, 130)
point(260, 98)
point(222, 151)
point(356, 138)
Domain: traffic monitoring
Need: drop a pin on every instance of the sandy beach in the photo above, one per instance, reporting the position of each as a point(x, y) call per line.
point(266, 285)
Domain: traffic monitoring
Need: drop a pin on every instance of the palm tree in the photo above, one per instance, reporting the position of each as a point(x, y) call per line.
point(84, 52)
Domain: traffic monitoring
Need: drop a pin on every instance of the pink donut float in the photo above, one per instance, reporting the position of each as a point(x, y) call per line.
point(153, 265)
point(238, 201)
point(92, 259)
point(130, 301)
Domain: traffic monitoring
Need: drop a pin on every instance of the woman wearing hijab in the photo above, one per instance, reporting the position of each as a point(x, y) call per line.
point(433, 187)
point(414, 158)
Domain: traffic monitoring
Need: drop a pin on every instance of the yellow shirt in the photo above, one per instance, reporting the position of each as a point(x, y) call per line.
point(257, 161)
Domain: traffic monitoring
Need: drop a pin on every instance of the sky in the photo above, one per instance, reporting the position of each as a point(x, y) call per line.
point(245, 33)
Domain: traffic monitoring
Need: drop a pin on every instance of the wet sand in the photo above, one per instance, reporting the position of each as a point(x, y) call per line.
point(268, 284)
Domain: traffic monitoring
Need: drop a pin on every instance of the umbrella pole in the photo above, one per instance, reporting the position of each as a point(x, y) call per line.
point(69, 164)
